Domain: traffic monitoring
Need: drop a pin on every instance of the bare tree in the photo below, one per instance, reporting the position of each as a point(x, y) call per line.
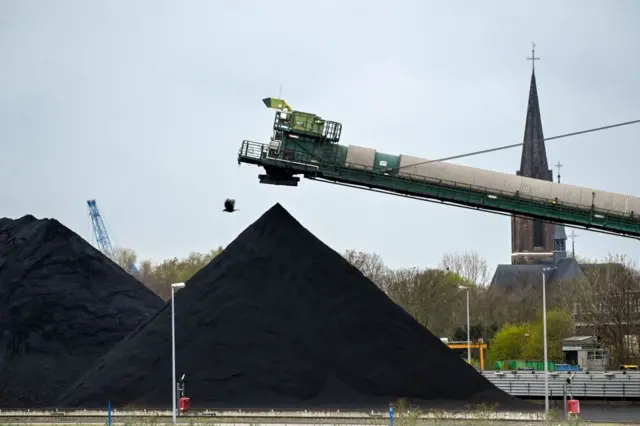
point(158, 277)
point(145, 268)
point(469, 265)
point(125, 257)
point(608, 305)
point(431, 296)
point(370, 264)
point(516, 301)
point(158, 285)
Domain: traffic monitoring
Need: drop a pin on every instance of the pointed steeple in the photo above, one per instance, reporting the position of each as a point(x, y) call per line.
point(533, 162)
point(529, 235)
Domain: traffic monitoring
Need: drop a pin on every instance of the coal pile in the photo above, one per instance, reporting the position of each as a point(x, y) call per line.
point(63, 305)
point(281, 320)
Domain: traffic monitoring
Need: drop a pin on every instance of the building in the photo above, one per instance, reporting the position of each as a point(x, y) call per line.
point(536, 245)
point(532, 240)
point(563, 267)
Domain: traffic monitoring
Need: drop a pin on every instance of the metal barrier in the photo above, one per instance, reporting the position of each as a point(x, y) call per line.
point(594, 384)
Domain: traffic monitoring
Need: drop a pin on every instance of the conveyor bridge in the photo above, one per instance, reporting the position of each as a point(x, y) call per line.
point(305, 145)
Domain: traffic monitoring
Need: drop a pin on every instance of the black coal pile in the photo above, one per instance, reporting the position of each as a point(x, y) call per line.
point(63, 305)
point(281, 320)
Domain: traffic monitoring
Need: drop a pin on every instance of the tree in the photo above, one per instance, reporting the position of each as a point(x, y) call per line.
point(515, 303)
point(431, 296)
point(525, 341)
point(145, 268)
point(155, 284)
point(181, 270)
point(124, 257)
point(584, 260)
point(559, 327)
point(509, 342)
point(469, 265)
point(478, 331)
point(608, 305)
point(159, 277)
point(370, 264)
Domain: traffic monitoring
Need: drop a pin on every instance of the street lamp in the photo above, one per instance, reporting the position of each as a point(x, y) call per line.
point(174, 287)
point(462, 287)
point(544, 337)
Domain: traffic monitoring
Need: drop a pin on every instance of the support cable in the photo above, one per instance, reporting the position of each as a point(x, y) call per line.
point(515, 145)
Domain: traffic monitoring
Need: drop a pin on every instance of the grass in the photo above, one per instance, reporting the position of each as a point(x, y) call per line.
point(404, 415)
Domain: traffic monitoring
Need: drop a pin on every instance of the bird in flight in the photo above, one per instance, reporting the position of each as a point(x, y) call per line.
point(229, 205)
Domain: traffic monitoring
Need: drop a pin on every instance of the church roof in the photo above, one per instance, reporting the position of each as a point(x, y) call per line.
point(533, 162)
point(510, 276)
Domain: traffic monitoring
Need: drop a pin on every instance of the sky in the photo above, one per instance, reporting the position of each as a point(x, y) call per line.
point(143, 105)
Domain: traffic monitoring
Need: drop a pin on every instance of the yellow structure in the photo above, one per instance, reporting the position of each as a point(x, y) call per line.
point(481, 347)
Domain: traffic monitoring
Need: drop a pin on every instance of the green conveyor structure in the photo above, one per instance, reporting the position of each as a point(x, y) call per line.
point(304, 144)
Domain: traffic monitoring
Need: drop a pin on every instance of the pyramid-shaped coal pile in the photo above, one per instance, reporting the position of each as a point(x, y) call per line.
point(281, 320)
point(63, 305)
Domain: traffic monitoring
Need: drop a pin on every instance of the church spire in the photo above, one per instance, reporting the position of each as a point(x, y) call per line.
point(533, 162)
point(527, 235)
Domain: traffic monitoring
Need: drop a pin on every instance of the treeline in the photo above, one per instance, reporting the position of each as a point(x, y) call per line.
point(159, 276)
point(605, 303)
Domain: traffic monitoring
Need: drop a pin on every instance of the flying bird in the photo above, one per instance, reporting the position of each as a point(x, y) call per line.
point(229, 206)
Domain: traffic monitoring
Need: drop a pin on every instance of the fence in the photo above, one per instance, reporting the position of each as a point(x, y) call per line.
point(593, 384)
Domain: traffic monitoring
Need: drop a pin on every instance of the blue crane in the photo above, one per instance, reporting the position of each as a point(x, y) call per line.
point(102, 236)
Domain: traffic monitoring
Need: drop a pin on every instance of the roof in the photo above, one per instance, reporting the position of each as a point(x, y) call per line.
point(559, 233)
point(584, 341)
point(533, 162)
point(509, 276)
point(578, 338)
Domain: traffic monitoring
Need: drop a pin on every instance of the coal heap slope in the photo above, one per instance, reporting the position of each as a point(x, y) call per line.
point(62, 306)
point(279, 319)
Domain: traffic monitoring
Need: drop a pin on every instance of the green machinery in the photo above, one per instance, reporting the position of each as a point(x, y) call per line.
point(307, 145)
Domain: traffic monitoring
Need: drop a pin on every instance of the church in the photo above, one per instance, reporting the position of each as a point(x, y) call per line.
point(536, 245)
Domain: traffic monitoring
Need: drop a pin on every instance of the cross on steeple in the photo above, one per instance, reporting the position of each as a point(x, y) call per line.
point(573, 237)
point(558, 166)
point(533, 57)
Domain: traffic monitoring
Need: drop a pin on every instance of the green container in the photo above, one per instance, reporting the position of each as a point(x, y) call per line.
point(384, 162)
point(516, 364)
point(539, 365)
point(536, 365)
point(498, 365)
point(340, 155)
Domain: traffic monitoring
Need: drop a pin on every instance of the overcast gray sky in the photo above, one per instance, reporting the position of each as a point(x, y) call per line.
point(143, 106)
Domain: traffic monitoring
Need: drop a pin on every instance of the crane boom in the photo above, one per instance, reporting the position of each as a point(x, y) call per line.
point(103, 241)
point(100, 230)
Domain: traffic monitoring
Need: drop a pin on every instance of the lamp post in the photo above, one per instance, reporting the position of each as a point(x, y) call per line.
point(174, 287)
point(544, 337)
point(462, 287)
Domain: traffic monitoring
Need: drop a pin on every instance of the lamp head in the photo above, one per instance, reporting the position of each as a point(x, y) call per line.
point(177, 285)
